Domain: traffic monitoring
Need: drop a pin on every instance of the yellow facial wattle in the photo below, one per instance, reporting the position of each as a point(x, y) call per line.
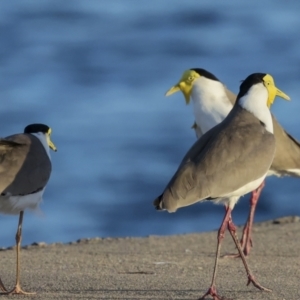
point(184, 85)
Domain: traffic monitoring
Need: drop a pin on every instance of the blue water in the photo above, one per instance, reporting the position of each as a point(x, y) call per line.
point(96, 72)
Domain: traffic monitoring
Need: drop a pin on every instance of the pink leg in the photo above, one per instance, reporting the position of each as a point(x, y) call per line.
point(251, 279)
point(246, 240)
point(221, 233)
point(227, 223)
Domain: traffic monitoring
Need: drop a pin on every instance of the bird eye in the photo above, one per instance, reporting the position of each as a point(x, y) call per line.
point(190, 78)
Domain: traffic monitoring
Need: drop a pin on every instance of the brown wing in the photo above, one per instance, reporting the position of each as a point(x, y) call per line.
point(24, 165)
point(237, 151)
point(6, 145)
point(287, 155)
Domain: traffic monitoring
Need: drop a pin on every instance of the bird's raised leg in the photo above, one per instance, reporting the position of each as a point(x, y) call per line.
point(246, 241)
point(17, 289)
point(212, 291)
point(251, 279)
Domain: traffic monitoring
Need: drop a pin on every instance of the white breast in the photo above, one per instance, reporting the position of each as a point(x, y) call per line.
point(255, 101)
point(210, 102)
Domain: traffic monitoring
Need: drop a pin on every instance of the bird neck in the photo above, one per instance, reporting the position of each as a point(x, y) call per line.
point(210, 102)
point(255, 101)
point(42, 137)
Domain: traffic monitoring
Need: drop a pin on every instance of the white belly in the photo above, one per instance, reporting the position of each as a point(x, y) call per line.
point(247, 188)
point(232, 198)
point(13, 205)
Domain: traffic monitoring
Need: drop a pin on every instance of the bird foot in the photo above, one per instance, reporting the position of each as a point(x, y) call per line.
point(252, 280)
point(212, 292)
point(16, 290)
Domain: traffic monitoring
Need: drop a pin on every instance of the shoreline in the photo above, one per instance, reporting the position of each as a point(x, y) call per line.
point(281, 220)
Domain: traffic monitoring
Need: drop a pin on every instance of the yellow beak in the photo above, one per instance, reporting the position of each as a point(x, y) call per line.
point(172, 90)
point(282, 95)
point(51, 145)
point(273, 90)
point(184, 88)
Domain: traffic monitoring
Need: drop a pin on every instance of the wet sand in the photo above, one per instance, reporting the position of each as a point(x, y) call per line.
point(170, 267)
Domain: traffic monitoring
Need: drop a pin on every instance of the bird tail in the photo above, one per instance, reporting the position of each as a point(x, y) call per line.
point(158, 203)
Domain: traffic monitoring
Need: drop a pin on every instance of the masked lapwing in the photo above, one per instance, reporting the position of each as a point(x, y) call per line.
point(228, 161)
point(212, 102)
point(25, 168)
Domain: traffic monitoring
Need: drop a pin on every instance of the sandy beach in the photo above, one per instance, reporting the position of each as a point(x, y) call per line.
point(170, 267)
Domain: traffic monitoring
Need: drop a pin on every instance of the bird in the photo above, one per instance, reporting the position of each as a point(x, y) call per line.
point(25, 168)
point(212, 102)
point(228, 161)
